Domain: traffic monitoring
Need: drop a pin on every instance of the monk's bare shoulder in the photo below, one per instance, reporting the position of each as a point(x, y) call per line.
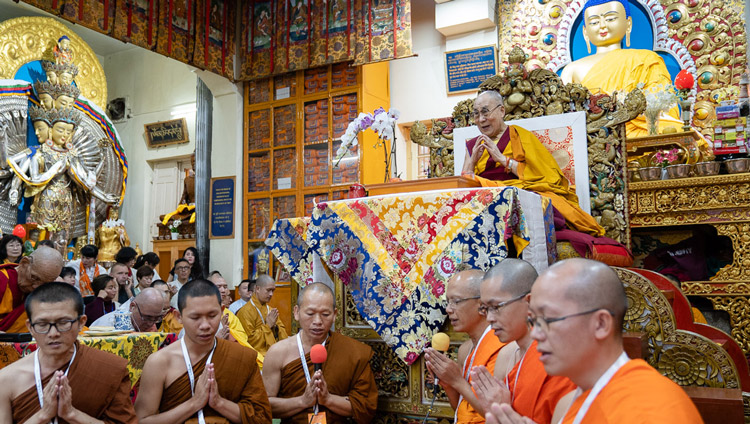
point(504, 357)
point(282, 353)
point(464, 349)
point(17, 377)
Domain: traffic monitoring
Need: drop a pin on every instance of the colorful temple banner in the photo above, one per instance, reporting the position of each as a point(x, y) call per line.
point(214, 45)
point(98, 15)
point(136, 22)
point(176, 29)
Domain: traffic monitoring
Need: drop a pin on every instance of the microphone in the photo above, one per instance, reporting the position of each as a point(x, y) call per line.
point(318, 355)
point(441, 342)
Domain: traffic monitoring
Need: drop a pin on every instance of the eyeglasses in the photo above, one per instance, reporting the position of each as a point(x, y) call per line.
point(182, 268)
point(148, 318)
point(454, 302)
point(484, 112)
point(486, 309)
point(543, 323)
point(62, 326)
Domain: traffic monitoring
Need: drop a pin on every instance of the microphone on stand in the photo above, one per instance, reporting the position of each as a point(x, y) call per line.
point(440, 342)
point(318, 355)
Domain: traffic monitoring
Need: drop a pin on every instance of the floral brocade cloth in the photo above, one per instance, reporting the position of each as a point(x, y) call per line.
point(135, 347)
point(396, 253)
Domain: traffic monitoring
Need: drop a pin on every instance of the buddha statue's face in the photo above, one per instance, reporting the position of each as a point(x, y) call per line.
point(47, 101)
point(66, 78)
point(64, 102)
point(62, 132)
point(606, 24)
point(52, 77)
point(64, 44)
point(42, 131)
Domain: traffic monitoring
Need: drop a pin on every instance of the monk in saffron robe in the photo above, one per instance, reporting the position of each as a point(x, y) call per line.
point(261, 322)
point(480, 350)
point(79, 383)
point(223, 383)
point(345, 386)
point(17, 281)
point(520, 380)
point(577, 309)
point(511, 156)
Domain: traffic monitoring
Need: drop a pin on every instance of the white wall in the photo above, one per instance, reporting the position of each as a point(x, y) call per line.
point(418, 84)
point(155, 86)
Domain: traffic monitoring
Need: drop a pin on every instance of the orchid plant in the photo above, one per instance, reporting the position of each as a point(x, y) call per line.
point(380, 121)
point(175, 225)
point(659, 99)
point(664, 158)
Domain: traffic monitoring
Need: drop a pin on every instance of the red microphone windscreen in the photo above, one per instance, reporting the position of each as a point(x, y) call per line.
point(318, 354)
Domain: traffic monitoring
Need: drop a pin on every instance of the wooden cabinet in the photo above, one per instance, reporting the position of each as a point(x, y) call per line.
point(293, 124)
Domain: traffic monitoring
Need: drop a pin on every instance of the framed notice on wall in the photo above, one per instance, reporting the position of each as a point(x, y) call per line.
point(166, 132)
point(466, 69)
point(222, 208)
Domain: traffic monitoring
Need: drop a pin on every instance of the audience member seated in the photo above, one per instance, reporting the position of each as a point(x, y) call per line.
point(144, 276)
point(11, 249)
point(145, 311)
point(16, 281)
point(120, 272)
point(105, 288)
point(170, 322)
point(482, 347)
point(68, 275)
point(577, 309)
point(511, 156)
point(229, 319)
point(63, 380)
point(150, 259)
point(196, 271)
point(245, 290)
point(127, 256)
point(202, 376)
point(521, 381)
point(87, 269)
point(344, 388)
point(182, 270)
point(261, 321)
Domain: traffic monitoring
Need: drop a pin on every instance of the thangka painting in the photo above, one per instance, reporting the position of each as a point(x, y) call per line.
point(51, 6)
point(214, 43)
point(176, 32)
point(280, 36)
point(90, 14)
point(136, 22)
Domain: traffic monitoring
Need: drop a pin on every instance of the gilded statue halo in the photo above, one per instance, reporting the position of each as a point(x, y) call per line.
point(26, 39)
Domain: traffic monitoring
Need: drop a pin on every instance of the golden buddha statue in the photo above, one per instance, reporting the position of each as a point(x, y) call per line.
point(62, 51)
point(44, 92)
point(606, 23)
point(112, 236)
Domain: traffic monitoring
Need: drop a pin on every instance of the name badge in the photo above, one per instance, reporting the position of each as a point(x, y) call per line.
point(319, 418)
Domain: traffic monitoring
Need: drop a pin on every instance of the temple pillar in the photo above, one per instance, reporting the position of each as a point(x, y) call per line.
point(203, 131)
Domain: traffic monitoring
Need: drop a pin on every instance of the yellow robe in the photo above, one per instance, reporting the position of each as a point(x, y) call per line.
point(538, 172)
point(259, 335)
point(624, 69)
point(239, 334)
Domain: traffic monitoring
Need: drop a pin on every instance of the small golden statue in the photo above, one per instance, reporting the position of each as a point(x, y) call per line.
point(112, 236)
point(62, 51)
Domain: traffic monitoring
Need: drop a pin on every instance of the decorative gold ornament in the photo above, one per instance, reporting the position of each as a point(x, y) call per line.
point(27, 39)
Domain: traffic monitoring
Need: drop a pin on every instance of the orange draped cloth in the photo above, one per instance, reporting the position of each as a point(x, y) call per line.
point(100, 384)
point(535, 394)
point(239, 381)
point(12, 311)
point(538, 172)
point(486, 355)
point(637, 393)
point(346, 372)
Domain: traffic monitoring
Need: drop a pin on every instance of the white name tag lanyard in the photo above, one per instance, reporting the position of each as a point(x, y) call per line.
point(598, 387)
point(518, 373)
point(189, 367)
point(464, 370)
point(304, 362)
point(38, 376)
point(268, 310)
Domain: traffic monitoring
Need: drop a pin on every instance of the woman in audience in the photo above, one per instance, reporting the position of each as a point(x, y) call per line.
point(68, 275)
point(105, 290)
point(152, 260)
point(145, 276)
point(11, 249)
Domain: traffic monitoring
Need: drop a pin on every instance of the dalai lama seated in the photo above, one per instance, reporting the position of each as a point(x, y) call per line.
point(508, 155)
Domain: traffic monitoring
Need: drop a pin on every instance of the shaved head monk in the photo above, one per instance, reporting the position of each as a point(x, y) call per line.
point(260, 321)
point(481, 348)
point(577, 310)
point(344, 388)
point(202, 377)
point(63, 380)
point(17, 281)
point(519, 377)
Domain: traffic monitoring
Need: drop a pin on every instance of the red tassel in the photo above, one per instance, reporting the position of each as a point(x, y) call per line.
point(106, 15)
point(130, 18)
point(80, 10)
point(170, 19)
point(224, 41)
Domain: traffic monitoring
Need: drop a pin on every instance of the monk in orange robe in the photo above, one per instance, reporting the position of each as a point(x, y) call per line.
point(223, 383)
point(79, 383)
point(481, 349)
point(17, 281)
point(345, 386)
point(511, 156)
point(577, 309)
point(527, 387)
